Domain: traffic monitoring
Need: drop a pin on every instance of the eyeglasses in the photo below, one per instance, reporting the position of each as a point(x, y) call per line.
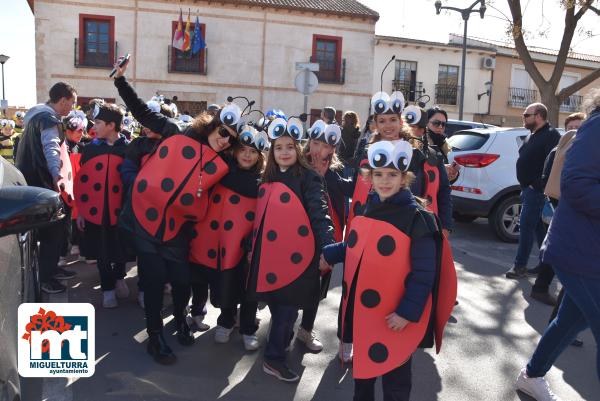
point(527, 115)
point(224, 133)
point(438, 123)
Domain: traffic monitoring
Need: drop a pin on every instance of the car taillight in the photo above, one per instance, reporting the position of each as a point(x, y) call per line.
point(475, 191)
point(476, 160)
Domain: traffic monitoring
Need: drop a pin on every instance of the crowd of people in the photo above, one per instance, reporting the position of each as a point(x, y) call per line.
point(245, 208)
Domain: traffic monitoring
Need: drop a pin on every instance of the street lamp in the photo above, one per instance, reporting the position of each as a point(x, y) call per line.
point(488, 90)
point(3, 59)
point(465, 13)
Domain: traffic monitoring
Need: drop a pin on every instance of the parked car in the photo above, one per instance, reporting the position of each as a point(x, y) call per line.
point(453, 126)
point(487, 185)
point(23, 209)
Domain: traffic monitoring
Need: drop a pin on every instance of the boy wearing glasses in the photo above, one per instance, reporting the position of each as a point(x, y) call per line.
point(530, 164)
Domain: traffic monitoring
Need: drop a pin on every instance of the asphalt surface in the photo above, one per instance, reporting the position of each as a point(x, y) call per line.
point(491, 334)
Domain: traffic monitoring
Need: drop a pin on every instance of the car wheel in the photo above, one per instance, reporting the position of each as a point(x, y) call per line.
point(504, 219)
point(463, 218)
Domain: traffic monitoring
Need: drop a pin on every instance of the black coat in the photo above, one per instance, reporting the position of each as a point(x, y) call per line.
point(348, 145)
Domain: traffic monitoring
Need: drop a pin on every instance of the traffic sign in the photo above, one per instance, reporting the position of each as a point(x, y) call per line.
point(308, 66)
point(306, 82)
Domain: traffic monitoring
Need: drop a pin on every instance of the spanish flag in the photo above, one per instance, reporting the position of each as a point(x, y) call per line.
point(187, 43)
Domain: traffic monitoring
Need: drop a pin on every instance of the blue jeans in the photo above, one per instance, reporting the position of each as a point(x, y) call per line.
point(579, 309)
point(530, 224)
point(283, 318)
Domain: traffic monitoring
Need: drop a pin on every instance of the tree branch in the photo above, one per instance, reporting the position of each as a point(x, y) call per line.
point(517, 34)
point(565, 45)
point(569, 90)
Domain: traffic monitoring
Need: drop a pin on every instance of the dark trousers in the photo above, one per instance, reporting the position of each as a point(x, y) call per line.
point(248, 324)
point(530, 224)
point(396, 385)
point(157, 271)
point(201, 280)
point(308, 318)
point(50, 239)
point(283, 318)
point(110, 272)
point(544, 278)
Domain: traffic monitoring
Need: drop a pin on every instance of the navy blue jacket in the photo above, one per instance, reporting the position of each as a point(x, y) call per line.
point(423, 258)
point(573, 240)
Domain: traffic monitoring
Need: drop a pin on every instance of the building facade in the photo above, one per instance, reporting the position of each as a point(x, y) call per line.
point(252, 47)
point(513, 89)
point(431, 71)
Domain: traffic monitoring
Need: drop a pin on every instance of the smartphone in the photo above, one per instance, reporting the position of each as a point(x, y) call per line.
point(121, 64)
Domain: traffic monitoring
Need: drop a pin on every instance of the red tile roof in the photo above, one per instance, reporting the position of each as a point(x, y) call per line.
point(349, 8)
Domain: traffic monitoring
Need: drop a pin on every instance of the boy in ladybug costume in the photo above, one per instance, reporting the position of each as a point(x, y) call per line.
point(399, 283)
point(291, 226)
point(170, 195)
point(219, 252)
point(320, 153)
point(99, 198)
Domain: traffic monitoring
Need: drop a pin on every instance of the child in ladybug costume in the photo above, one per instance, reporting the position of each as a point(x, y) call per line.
point(169, 195)
point(320, 153)
point(398, 282)
point(219, 252)
point(431, 174)
point(99, 197)
point(291, 226)
point(74, 126)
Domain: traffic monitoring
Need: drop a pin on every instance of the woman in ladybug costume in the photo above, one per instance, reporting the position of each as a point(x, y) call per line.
point(169, 196)
point(291, 226)
point(218, 253)
point(99, 197)
point(431, 176)
point(320, 153)
point(390, 296)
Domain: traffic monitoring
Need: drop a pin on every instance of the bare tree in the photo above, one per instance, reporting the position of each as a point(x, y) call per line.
point(550, 96)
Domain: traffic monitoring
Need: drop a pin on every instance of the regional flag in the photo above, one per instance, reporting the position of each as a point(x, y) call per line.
point(178, 35)
point(186, 35)
point(199, 43)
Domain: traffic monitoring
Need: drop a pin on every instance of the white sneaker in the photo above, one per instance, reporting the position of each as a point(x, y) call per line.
point(82, 259)
point(222, 334)
point(167, 289)
point(310, 340)
point(62, 261)
point(250, 342)
point(536, 387)
point(75, 250)
point(346, 352)
point(90, 261)
point(109, 299)
point(141, 300)
point(121, 289)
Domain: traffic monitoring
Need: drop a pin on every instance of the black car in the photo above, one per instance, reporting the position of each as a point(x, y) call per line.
point(23, 209)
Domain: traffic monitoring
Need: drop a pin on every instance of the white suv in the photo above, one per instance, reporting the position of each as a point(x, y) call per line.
point(487, 185)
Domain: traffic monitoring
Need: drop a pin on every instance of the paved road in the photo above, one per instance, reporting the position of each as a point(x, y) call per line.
point(493, 331)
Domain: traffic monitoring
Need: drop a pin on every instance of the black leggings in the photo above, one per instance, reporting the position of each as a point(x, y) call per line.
point(396, 385)
point(157, 271)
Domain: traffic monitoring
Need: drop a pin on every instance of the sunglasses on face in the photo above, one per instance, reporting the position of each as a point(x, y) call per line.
point(438, 123)
point(224, 133)
point(527, 115)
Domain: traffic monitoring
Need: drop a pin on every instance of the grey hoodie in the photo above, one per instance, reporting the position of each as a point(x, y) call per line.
point(50, 139)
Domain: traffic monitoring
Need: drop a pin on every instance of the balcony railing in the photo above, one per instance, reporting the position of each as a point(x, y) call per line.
point(327, 77)
point(447, 94)
point(411, 90)
point(571, 104)
point(186, 63)
point(89, 60)
point(521, 97)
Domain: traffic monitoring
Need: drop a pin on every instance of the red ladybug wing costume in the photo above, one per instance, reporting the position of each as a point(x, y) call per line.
point(165, 190)
point(75, 166)
point(359, 198)
point(66, 172)
point(282, 259)
point(229, 220)
point(432, 184)
point(446, 292)
point(99, 178)
point(377, 250)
